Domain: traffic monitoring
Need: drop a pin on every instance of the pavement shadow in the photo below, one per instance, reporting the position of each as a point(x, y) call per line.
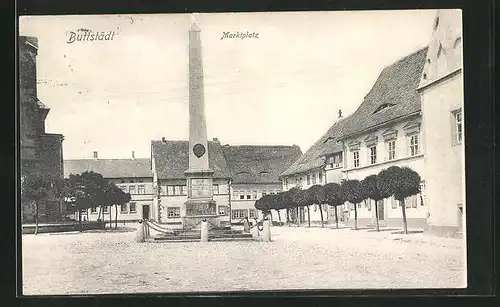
point(402, 232)
point(382, 229)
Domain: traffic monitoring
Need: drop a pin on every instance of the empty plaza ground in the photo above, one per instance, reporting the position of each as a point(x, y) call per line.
point(298, 258)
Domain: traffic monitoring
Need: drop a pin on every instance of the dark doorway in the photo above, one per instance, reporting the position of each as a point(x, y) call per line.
point(145, 212)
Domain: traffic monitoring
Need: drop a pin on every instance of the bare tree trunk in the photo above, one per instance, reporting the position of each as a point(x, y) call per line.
point(116, 216)
point(110, 219)
point(80, 219)
point(376, 214)
point(336, 217)
point(36, 217)
point(279, 216)
point(356, 216)
point(321, 212)
point(287, 216)
point(309, 216)
point(298, 216)
point(403, 207)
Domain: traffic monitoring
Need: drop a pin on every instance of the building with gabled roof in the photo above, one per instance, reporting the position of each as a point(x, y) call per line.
point(383, 131)
point(132, 175)
point(255, 171)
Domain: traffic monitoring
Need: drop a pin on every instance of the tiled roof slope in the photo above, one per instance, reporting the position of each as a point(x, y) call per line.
point(110, 168)
point(259, 164)
point(396, 85)
point(172, 159)
point(312, 158)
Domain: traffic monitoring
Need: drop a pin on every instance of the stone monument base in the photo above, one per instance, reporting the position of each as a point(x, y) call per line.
point(194, 222)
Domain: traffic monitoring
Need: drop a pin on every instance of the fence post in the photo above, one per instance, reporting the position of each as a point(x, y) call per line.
point(266, 232)
point(204, 231)
point(140, 233)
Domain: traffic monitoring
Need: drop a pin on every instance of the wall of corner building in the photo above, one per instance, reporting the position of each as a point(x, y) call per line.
point(444, 158)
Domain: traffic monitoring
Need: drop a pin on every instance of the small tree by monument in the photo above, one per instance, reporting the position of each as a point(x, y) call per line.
point(370, 191)
point(333, 198)
point(350, 190)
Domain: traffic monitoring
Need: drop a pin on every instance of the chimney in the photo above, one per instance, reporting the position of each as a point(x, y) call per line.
point(340, 114)
point(163, 139)
point(133, 154)
point(215, 139)
point(95, 155)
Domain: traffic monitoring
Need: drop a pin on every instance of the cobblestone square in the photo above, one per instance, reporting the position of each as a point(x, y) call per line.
point(298, 258)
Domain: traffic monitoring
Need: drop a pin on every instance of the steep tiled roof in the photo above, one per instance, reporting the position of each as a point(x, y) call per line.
point(259, 164)
point(110, 168)
point(172, 159)
point(312, 158)
point(396, 86)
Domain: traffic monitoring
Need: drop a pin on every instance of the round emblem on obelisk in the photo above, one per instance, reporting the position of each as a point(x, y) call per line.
point(199, 150)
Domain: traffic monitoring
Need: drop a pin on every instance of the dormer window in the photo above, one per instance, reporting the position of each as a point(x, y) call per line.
point(383, 106)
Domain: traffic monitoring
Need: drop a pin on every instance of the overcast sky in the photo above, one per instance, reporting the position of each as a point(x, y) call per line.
point(284, 87)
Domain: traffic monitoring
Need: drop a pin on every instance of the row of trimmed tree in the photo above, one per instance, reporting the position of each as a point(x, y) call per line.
point(397, 182)
point(81, 191)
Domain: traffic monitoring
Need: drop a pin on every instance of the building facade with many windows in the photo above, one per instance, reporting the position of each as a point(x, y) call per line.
point(386, 130)
point(133, 176)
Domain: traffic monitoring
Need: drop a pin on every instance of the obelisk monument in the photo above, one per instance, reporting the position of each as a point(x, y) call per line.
point(200, 204)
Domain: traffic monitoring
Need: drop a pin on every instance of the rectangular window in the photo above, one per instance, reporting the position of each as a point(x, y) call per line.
point(124, 188)
point(264, 192)
point(173, 212)
point(394, 203)
point(141, 189)
point(105, 209)
point(414, 201)
point(414, 145)
point(271, 192)
point(308, 179)
point(235, 194)
point(242, 194)
point(222, 210)
point(458, 127)
point(93, 210)
point(254, 194)
point(252, 213)
point(131, 189)
point(123, 208)
point(359, 205)
point(391, 150)
point(314, 178)
point(215, 189)
point(183, 190)
point(373, 154)
point(249, 195)
point(355, 158)
point(239, 213)
point(320, 177)
point(170, 190)
point(132, 207)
